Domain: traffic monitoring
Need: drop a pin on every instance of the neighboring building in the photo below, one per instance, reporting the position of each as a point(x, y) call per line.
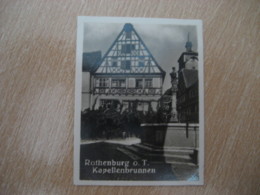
point(89, 61)
point(127, 76)
point(187, 95)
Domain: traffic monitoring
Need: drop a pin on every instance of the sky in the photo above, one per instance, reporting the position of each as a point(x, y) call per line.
point(166, 42)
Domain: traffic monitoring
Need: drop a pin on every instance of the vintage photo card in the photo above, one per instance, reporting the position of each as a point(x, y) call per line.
point(139, 108)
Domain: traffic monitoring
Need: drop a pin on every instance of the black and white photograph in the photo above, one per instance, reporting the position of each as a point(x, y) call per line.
point(139, 105)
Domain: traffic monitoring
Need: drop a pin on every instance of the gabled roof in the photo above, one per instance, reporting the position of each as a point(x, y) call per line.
point(190, 76)
point(128, 54)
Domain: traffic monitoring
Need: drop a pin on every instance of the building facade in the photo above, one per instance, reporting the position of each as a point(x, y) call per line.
point(126, 78)
point(187, 95)
point(89, 61)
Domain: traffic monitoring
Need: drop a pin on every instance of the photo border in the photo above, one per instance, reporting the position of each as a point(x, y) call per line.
point(78, 88)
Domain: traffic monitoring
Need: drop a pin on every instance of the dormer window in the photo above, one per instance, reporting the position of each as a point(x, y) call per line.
point(114, 61)
point(126, 65)
point(127, 48)
point(141, 61)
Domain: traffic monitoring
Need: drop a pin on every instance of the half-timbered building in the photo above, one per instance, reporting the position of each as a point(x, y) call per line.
point(127, 76)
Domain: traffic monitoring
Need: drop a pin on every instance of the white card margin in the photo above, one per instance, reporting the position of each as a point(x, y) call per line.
point(78, 86)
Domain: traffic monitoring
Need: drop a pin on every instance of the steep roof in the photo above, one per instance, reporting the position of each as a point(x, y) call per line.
point(128, 54)
point(190, 76)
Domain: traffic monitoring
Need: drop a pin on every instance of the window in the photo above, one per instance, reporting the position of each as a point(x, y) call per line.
point(102, 82)
point(141, 61)
point(132, 47)
point(118, 83)
point(139, 83)
point(126, 64)
point(127, 48)
point(114, 61)
point(148, 83)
